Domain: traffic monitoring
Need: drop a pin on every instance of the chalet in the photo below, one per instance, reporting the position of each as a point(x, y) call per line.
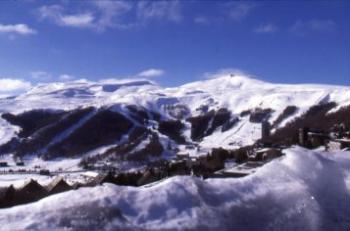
point(7, 195)
point(148, 177)
point(20, 163)
point(267, 154)
point(333, 145)
point(77, 185)
point(338, 144)
point(312, 138)
point(317, 139)
point(302, 136)
point(212, 162)
point(192, 162)
point(58, 185)
point(44, 172)
point(179, 167)
point(102, 178)
point(241, 155)
point(29, 192)
point(129, 178)
point(182, 156)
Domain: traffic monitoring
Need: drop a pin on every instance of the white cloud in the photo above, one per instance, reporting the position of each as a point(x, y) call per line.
point(266, 28)
point(321, 25)
point(41, 76)
point(44, 77)
point(78, 20)
point(160, 10)
point(149, 73)
point(53, 12)
point(57, 15)
point(226, 71)
point(202, 20)
point(98, 16)
point(238, 10)
point(10, 85)
point(302, 28)
point(66, 77)
point(109, 12)
point(19, 29)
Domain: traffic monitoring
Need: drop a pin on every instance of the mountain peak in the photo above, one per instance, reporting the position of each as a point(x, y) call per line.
point(227, 81)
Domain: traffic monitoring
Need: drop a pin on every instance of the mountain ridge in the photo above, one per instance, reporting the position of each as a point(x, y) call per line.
point(226, 111)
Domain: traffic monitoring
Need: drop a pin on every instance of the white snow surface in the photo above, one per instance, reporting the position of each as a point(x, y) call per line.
point(304, 190)
point(234, 92)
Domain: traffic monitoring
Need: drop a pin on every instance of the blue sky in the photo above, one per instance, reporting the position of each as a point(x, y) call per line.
point(173, 42)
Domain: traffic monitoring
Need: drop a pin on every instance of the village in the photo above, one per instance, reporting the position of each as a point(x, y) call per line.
point(219, 163)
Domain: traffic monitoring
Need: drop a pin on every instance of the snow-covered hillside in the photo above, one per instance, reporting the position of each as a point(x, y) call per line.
point(236, 92)
point(304, 190)
point(211, 113)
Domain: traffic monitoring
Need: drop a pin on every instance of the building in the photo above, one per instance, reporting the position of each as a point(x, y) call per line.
point(338, 144)
point(265, 129)
point(148, 177)
point(58, 185)
point(303, 137)
point(182, 155)
point(267, 154)
point(177, 167)
point(212, 162)
point(20, 163)
point(316, 139)
point(7, 196)
point(29, 192)
point(44, 172)
point(333, 146)
point(102, 178)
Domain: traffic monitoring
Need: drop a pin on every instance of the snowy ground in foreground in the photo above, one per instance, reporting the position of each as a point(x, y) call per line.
point(305, 190)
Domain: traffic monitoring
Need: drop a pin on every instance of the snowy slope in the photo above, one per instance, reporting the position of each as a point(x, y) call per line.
point(305, 190)
point(236, 93)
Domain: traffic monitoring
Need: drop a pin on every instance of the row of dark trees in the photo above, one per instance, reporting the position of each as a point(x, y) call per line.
point(316, 119)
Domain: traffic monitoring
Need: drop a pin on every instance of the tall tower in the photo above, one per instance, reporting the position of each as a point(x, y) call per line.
point(265, 129)
point(303, 136)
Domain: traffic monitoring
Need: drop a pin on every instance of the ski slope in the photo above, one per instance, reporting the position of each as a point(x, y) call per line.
point(236, 93)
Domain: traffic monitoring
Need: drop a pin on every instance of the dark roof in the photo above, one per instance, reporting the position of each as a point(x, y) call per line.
point(347, 141)
point(31, 185)
point(7, 195)
point(29, 192)
point(102, 178)
point(3, 191)
point(58, 184)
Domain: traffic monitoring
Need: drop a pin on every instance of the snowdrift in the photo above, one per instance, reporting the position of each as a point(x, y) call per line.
point(304, 190)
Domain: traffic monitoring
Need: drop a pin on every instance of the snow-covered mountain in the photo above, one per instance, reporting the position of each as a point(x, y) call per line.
point(129, 123)
point(141, 119)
